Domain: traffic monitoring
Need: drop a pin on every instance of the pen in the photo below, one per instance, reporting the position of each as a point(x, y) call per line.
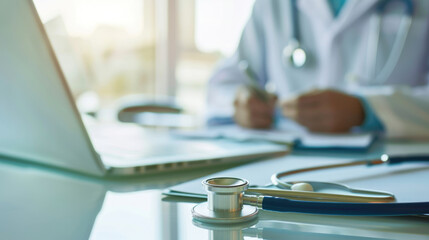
point(252, 83)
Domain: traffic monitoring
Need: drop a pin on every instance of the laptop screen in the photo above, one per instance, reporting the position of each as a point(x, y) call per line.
point(39, 121)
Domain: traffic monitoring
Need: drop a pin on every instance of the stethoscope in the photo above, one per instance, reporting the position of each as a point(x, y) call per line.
point(230, 200)
point(295, 55)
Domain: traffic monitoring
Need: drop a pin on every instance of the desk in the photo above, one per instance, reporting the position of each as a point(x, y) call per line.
point(40, 203)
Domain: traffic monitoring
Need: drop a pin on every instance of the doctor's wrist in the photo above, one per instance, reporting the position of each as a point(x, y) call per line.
point(371, 121)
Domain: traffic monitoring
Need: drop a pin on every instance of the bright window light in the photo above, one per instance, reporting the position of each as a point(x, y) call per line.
point(219, 24)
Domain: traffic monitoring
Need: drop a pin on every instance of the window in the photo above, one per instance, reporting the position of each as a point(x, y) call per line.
point(152, 47)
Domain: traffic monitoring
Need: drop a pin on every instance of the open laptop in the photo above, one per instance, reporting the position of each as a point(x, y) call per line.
point(39, 121)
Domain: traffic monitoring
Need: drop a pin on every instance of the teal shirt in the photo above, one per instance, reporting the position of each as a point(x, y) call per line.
point(336, 6)
point(371, 121)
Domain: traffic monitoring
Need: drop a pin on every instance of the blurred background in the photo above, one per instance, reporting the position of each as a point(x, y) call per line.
point(109, 49)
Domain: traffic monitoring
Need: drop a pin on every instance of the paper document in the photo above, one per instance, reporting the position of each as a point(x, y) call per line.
point(299, 139)
point(338, 140)
point(240, 134)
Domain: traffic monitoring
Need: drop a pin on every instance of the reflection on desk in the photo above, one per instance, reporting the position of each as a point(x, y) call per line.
point(275, 225)
point(42, 203)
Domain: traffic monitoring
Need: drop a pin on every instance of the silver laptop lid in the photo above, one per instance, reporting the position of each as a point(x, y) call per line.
point(39, 121)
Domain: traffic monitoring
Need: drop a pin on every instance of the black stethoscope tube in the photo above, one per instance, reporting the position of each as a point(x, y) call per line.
point(345, 209)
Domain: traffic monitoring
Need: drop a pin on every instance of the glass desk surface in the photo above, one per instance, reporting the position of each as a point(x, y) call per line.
point(42, 203)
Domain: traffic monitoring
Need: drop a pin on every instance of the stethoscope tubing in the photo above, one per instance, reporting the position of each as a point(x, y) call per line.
point(390, 160)
point(345, 209)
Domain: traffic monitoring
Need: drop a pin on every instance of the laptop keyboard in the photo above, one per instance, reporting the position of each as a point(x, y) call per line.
point(133, 142)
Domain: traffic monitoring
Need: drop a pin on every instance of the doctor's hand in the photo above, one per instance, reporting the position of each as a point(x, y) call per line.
point(325, 111)
point(251, 111)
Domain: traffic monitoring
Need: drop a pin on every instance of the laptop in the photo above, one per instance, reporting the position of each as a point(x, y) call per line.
point(40, 123)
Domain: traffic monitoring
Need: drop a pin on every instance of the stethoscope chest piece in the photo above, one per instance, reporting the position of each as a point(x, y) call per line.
point(224, 202)
point(294, 55)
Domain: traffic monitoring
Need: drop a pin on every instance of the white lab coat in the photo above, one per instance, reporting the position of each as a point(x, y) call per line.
point(337, 47)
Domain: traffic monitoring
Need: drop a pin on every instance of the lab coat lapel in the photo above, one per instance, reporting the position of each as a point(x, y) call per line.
point(352, 11)
point(320, 14)
point(327, 28)
point(318, 11)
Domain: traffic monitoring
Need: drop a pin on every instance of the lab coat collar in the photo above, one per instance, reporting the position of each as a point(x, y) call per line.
point(319, 12)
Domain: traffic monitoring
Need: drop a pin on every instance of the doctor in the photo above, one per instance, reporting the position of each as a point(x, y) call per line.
point(353, 71)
